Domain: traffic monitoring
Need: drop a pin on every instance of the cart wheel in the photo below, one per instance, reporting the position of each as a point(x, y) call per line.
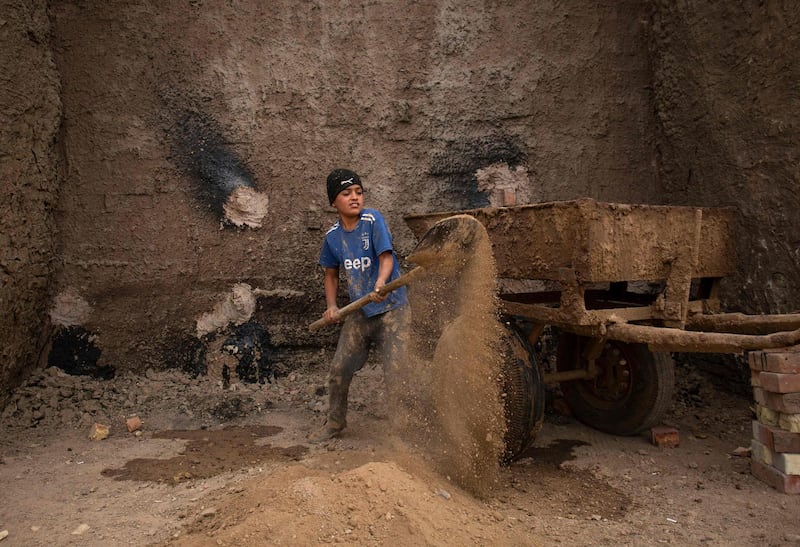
point(631, 392)
point(523, 394)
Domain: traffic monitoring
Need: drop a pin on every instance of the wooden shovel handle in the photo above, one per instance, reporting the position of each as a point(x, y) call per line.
point(401, 281)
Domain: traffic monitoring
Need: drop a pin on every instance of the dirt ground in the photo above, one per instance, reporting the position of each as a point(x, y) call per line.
point(231, 467)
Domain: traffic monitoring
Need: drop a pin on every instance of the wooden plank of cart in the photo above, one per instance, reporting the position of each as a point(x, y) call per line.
point(624, 285)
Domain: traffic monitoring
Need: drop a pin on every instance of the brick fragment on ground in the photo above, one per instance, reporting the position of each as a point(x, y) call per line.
point(741, 452)
point(98, 432)
point(664, 436)
point(133, 423)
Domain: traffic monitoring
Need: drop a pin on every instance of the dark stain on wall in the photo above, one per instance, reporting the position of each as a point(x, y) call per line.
point(200, 150)
point(249, 343)
point(188, 353)
point(75, 352)
point(457, 164)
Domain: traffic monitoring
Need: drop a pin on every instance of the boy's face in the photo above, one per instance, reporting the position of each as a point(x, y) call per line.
point(350, 201)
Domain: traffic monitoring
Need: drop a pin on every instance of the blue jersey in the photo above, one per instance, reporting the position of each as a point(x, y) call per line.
point(357, 253)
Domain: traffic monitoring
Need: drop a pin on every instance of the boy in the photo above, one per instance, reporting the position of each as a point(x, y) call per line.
point(361, 243)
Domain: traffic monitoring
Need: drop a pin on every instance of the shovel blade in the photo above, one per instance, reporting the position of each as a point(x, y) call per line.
point(448, 244)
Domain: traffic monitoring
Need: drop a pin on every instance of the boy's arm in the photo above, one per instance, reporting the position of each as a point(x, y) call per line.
point(331, 289)
point(385, 266)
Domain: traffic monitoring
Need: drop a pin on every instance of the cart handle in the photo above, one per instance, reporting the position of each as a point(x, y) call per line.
point(668, 339)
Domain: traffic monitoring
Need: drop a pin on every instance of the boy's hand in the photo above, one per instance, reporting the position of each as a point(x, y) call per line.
point(376, 294)
point(331, 314)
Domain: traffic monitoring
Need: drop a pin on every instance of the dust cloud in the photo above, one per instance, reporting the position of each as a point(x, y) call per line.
point(452, 403)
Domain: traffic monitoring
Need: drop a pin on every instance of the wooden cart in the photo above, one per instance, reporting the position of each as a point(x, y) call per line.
point(624, 285)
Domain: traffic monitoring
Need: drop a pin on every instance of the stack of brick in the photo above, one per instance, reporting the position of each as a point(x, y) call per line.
point(775, 449)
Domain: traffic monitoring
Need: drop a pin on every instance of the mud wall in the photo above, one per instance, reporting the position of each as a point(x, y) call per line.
point(29, 180)
point(726, 99)
point(168, 106)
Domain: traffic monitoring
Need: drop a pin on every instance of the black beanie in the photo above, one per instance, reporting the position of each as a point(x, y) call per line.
point(338, 180)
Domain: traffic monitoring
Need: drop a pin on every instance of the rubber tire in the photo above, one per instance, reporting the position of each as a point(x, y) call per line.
point(523, 389)
point(648, 395)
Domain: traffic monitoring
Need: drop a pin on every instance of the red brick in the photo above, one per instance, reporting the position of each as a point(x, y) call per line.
point(786, 441)
point(785, 403)
point(756, 360)
point(759, 396)
point(761, 453)
point(664, 436)
point(768, 416)
point(763, 434)
point(755, 378)
point(778, 382)
point(786, 484)
point(787, 422)
point(776, 439)
point(783, 360)
point(786, 462)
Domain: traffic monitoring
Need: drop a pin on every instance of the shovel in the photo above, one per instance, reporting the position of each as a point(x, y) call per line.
point(356, 305)
point(444, 248)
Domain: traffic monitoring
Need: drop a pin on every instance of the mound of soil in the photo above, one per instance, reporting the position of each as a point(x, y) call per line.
point(231, 467)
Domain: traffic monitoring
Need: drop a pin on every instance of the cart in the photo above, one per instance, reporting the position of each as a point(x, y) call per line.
point(623, 285)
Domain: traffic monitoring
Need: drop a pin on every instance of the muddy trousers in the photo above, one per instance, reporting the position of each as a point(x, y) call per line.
point(386, 333)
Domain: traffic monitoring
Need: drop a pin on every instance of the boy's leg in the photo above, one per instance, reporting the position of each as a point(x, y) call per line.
point(393, 347)
point(351, 354)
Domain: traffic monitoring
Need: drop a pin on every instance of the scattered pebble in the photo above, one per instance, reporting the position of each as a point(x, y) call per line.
point(741, 452)
point(81, 529)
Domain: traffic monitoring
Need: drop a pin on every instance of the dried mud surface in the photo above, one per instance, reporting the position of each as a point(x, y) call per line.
point(231, 467)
